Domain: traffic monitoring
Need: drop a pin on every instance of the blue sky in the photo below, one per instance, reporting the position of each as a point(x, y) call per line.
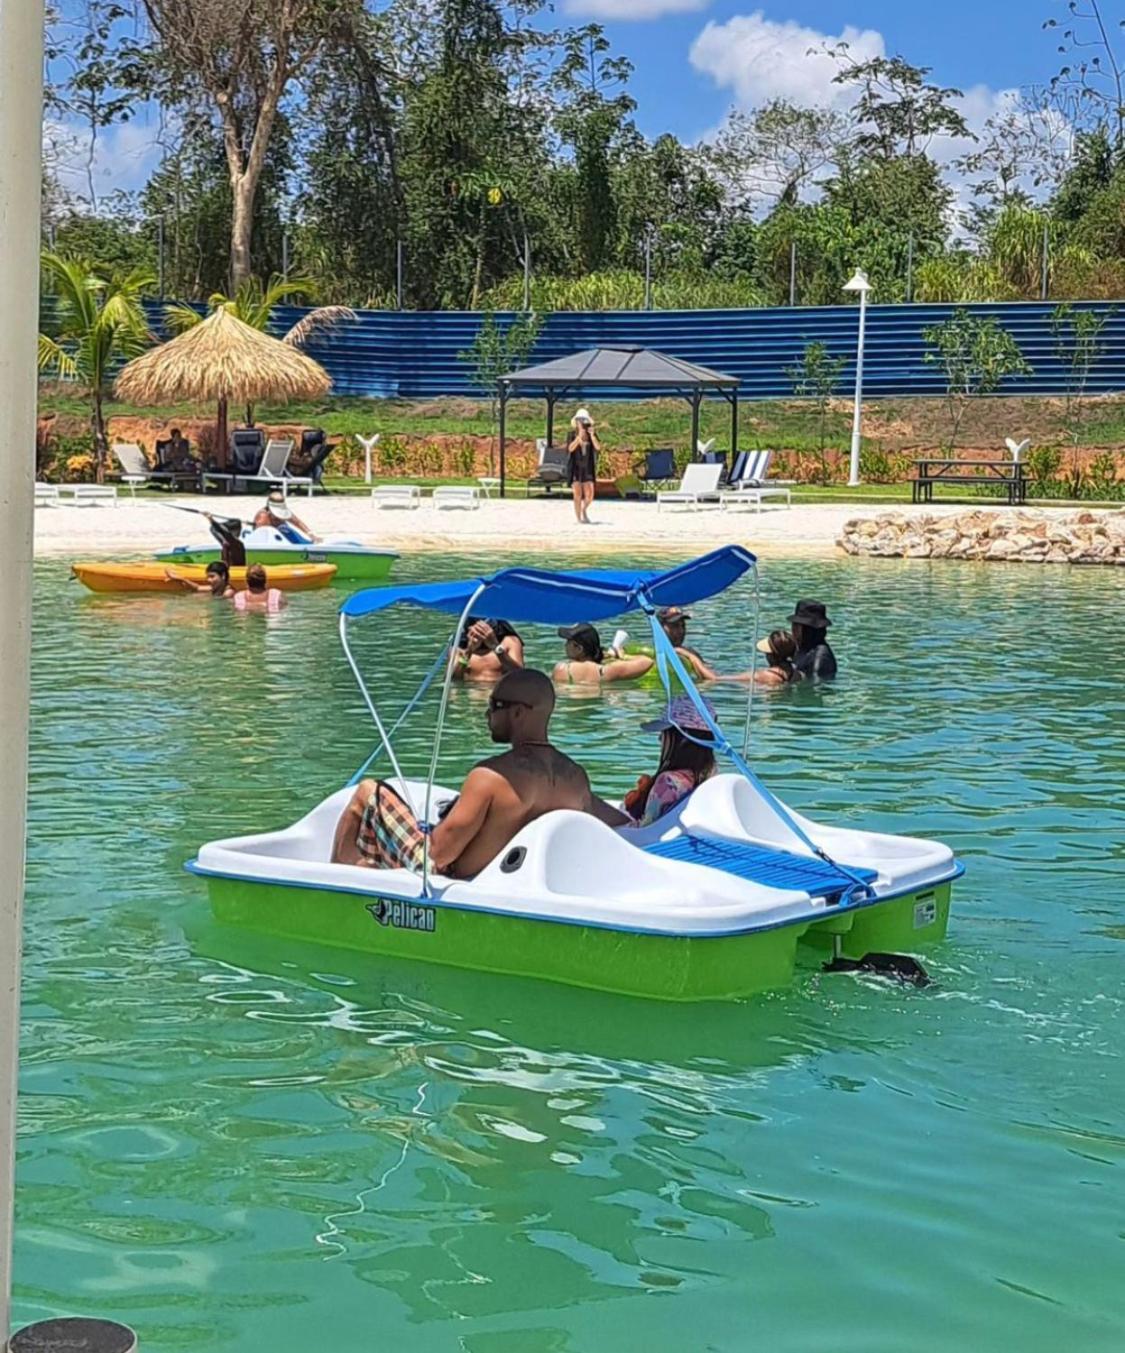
point(985, 44)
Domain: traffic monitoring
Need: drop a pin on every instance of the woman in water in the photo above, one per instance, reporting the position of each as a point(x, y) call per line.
point(217, 582)
point(582, 465)
point(258, 596)
point(685, 762)
point(588, 664)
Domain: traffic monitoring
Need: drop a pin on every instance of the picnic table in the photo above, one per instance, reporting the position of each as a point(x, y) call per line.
point(949, 470)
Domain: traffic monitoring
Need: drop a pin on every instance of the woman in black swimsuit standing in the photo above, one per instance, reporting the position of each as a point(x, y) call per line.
point(582, 468)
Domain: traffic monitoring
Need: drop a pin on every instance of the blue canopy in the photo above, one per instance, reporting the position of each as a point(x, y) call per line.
point(535, 595)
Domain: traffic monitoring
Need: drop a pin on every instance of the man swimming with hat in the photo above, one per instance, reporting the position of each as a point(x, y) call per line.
point(674, 623)
point(809, 623)
point(277, 513)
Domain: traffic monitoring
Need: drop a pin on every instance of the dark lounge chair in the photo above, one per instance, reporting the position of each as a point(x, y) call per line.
point(315, 450)
point(552, 469)
point(659, 468)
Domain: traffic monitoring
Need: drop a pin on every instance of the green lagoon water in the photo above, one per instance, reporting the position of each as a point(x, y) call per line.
point(237, 1143)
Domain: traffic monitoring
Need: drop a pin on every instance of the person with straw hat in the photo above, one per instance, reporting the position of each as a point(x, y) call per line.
point(582, 466)
point(277, 513)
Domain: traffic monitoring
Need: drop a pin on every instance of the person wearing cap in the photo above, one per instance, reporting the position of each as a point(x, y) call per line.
point(277, 513)
point(687, 758)
point(779, 648)
point(674, 623)
point(588, 664)
point(810, 631)
point(488, 650)
point(582, 463)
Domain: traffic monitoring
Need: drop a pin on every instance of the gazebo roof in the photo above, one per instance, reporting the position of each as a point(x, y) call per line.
point(631, 367)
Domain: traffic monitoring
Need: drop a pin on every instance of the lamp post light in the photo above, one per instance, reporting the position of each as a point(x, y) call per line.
point(860, 284)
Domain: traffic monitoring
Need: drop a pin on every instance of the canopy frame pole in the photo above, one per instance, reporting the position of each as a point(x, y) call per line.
point(551, 397)
point(695, 401)
point(367, 700)
point(21, 105)
point(734, 426)
point(503, 439)
point(442, 707)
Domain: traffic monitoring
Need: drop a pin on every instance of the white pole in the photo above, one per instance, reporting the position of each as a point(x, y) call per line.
point(21, 110)
point(853, 476)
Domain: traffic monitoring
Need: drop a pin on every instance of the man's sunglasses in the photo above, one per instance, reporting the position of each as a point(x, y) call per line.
point(494, 704)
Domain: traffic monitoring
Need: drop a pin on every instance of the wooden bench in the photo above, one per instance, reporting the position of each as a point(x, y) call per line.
point(1006, 474)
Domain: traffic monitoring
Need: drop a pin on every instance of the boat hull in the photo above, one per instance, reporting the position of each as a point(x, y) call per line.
point(351, 565)
point(664, 967)
point(148, 577)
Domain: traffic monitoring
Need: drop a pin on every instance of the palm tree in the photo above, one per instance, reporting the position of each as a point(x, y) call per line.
point(254, 304)
point(101, 323)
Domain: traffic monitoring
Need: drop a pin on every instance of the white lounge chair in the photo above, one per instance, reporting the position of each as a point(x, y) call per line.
point(46, 495)
point(396, 495)
point(135, 470)
point(698, 488)
point(456, 495)
point(749, 484)
point(90, 495)
point(274, 469)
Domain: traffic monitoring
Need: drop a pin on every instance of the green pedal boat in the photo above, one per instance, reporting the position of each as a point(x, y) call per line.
point(354, 562)
point(714, 901)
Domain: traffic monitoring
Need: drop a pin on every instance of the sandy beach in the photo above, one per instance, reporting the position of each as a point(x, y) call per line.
point(143, 525)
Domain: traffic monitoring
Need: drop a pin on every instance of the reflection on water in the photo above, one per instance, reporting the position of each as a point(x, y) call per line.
point(235, 1142)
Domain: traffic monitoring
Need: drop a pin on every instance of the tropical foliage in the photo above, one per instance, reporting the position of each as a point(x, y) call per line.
point(98, 323)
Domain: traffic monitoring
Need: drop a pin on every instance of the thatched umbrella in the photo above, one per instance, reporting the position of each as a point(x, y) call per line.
point(219, 360)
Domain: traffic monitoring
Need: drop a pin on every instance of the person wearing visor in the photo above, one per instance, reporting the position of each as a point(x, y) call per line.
point(810, 631)
point(589, 664)
point(582, 463)
point(277, 513)
point(487, 650)
point(500, 796)
point(687, 758)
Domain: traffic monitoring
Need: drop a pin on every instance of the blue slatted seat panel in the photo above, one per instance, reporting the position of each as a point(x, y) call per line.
point(760, 864)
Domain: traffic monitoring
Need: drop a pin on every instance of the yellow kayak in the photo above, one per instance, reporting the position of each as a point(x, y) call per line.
point(149, 577)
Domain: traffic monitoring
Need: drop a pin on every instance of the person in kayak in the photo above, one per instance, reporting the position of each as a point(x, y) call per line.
point(258, 594)
point(217, 582)
point(499, 797)
point(685, 762)
point(276, 512)
point(487, 650)
point(810, 631)
point(588, 664)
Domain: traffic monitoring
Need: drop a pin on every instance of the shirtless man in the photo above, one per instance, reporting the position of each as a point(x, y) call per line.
point(277, 513)
point(499, 796)
point(489, 649)
point(674, 622)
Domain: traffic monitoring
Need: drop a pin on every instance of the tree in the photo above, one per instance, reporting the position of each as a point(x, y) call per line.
point(975, 355)
point(593, 117)
point(774, 153)
point(898, 112)
point(1079, 347)
point(99, 322)
point(817, 378)
point(241, 56)
point(1090, 87)
point(1025, 145)
point(494, 352)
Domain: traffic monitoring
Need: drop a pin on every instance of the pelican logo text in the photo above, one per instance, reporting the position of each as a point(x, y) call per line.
point(404, 915)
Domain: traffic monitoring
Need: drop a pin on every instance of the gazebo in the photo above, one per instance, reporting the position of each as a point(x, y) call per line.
point(642, 371)
point(217, 361)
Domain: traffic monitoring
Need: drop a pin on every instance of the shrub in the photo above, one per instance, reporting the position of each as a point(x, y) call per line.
point(1101, 476)
point(1043, 464)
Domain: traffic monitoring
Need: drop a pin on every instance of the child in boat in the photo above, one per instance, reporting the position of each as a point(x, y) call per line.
point(684, 762)
point(259, 595)
point(588, 664)
point(216, 585)
point(487, 650)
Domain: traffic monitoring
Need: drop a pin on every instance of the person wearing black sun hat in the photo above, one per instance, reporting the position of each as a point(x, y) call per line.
point(809, 623)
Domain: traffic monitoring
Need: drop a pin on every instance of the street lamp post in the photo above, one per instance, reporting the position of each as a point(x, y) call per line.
point(860, 284)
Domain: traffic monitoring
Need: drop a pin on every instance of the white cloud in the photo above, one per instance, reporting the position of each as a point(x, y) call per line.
point(124, 156)
point(632, 9)
point(759, 59)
